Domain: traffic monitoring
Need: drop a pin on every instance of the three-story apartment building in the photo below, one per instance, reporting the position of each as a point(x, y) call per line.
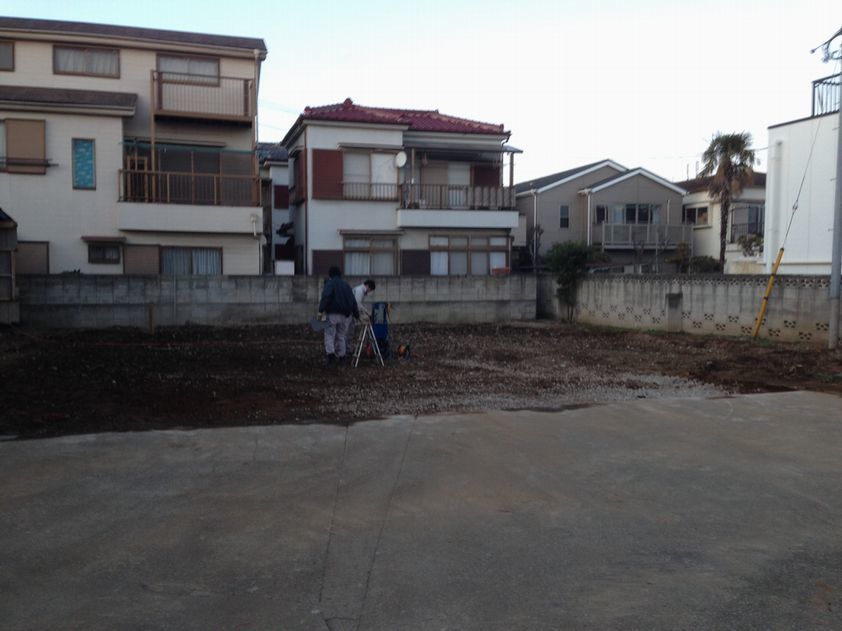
point(129, 150)
point(382, 191)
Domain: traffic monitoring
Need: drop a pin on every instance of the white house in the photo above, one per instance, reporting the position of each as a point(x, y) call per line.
point(129, 150)
point(747, 215)
point(386, 191)
point(802, 171)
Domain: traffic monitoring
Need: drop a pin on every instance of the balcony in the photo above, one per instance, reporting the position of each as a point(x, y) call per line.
point(447, 196)
point(826, 95)
point(646, 236)
point(203, 97)
point(200, 189)
point(369, 191)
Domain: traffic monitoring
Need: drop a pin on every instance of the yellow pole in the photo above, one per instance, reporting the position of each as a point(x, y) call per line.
point(765, 301)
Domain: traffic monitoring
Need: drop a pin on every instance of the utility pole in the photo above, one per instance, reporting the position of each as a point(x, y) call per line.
point(836, 255)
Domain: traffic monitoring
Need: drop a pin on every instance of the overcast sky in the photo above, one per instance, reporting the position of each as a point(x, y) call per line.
point(643, 82)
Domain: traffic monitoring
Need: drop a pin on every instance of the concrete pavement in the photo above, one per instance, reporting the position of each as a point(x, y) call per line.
point(715, 513)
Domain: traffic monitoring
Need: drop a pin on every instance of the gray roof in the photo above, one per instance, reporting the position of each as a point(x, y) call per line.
point(62, 27)
point(61, 96)
point(555, 177)
point(5, 219)
point(703, 183)
point(271, 152)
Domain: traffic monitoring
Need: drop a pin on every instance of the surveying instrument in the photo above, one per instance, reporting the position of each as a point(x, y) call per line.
point(368, 334)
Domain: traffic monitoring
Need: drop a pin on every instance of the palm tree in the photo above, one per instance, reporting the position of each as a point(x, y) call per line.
point(729, 159)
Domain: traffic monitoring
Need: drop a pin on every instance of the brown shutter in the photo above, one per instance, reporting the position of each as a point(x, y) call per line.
point(323, 260)
point(141, 259)
point(327, 173)
point(26, 150)
point(32, 257)
point(486, 175)
point(281, 196)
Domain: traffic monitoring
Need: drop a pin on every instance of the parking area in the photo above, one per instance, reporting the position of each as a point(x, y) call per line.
point(717, 512)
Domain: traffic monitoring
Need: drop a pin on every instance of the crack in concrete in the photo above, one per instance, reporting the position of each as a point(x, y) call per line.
point(383, 524)
point(339, 472)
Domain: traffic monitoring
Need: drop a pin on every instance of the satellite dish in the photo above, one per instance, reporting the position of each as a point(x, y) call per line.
point(400, 159)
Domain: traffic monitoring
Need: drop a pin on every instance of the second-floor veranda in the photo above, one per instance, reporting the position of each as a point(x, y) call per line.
point(457, 178)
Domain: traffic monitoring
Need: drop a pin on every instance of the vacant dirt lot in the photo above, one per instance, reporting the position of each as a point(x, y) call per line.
point(68, 382)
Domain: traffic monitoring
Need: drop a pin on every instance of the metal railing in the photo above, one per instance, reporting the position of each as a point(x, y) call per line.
point(369, 191)
point(183, 94)
point(744, 229)
point(826, 95)
point(201, 189)
point(649, 236)
point(447, 196)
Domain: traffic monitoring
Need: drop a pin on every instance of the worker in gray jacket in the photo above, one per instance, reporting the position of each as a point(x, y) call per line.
point(337, 306)
point(360, 292)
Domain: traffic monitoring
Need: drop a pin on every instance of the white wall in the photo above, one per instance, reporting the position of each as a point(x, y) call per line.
point(808, 246)
point(706, 237)
point(47, 208)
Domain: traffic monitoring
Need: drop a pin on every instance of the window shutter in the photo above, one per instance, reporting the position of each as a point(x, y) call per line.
point(26, 146)
point(281, 197)
point(327, 174)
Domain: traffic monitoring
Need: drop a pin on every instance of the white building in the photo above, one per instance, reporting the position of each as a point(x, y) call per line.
point(747, 217)
point(385, 191)
point(805, 151)
point(129, 150)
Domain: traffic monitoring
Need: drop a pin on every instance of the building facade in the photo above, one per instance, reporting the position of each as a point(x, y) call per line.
point(747, 217)
point(129, 150)
point(632, 215)
point(381, 191)
point(800, 188)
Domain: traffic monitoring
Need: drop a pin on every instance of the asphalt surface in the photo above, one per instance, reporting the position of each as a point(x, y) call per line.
point(668, 514)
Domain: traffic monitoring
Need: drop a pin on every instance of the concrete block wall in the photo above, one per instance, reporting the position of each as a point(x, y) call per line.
point(136, 301)
point(798, 308)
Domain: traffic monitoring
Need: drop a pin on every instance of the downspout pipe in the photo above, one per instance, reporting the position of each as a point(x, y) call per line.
point(534, 231)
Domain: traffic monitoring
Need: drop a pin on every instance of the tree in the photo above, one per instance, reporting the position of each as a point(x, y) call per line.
point(569, 262)
point(729, 160)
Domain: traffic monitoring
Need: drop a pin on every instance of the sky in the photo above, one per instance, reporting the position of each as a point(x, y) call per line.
point(642, 82)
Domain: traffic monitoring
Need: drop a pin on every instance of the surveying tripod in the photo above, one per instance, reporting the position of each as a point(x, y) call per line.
point(368, 333)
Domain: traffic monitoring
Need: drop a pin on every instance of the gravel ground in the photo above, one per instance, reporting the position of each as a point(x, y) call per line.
point(65, 382)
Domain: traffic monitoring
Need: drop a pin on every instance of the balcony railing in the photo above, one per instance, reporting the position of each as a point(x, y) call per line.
point(447, 196)
point(744, 229)
point(826, 95)
point(648, 236)
point(202, 189)
point(203, 96)
point(369, 191)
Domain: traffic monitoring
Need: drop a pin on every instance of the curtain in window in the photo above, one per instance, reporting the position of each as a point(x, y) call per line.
point(357, 263)
point(175, 261)
point(206, 261)
point(199, 70)
point(479, 263)
point(3, 153)
point(7, 55)
point(383, 263)
point(104, 63)
point(438, 263)
point(458, 263)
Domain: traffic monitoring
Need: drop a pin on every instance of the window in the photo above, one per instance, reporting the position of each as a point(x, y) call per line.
point(697, 216)
point(95, 62)
point(104, 253)
point(23, 146)
point(564, 216)
point(364, 255)
point(628, 214)
point(191, 261)
point(457, 255)
point(84, 164)
point(747, 220)
point(369, 176)
point(7, 55)
point(197, 70)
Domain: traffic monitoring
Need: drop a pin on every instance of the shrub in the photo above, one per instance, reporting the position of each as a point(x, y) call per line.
point(569, 262)
point(704, 265)
point(751, 244)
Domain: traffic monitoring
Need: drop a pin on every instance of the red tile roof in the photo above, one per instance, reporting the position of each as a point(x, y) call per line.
point(416, 120)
